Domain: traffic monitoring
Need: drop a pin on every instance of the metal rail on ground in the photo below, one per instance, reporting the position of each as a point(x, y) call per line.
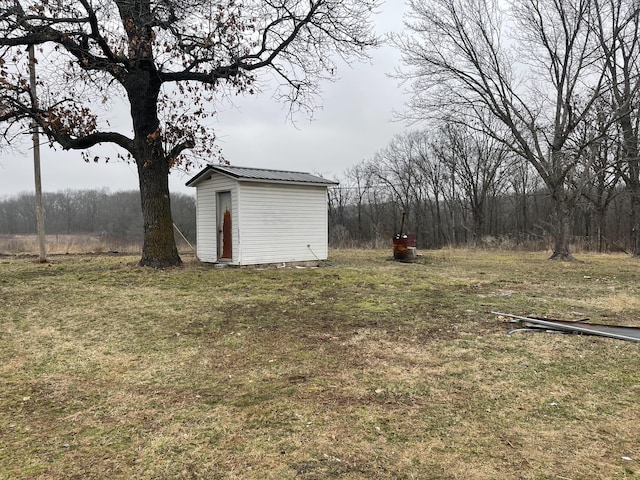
point(628, 333)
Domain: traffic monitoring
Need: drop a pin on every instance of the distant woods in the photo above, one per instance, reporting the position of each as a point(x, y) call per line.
point(116, 215)
point(532, 118)
point(455, 190)
point(458, 188)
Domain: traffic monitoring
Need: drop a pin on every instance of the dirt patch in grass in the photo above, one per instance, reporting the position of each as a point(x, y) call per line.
point(365, 368)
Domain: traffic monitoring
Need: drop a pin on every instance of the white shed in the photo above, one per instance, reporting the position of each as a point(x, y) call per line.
point(250, 216)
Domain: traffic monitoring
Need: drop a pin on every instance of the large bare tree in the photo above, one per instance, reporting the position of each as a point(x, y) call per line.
point(531, 65)
point(617, 27)
point(171, 60)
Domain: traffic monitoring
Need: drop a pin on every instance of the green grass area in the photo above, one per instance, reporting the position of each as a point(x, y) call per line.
point(364, 368)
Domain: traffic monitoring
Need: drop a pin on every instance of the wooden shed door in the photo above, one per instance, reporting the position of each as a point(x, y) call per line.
point(225, 240)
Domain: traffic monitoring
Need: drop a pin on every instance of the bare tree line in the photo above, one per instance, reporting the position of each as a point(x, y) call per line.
point(98, 212)
point(530, 130)
point(532, 122)
point(460, 187)
point(554, 84)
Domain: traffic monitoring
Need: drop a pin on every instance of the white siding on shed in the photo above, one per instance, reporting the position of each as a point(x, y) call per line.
point(207, 231)
point(282, 223)
point(276, 216)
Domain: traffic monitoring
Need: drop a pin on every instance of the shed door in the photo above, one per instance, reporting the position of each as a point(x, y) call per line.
point(223, 222)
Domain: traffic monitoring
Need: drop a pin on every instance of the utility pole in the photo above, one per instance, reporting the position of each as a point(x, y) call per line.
point(36, 156)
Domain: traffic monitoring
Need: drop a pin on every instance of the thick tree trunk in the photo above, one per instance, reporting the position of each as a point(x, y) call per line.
point(632, 179)
point(478, 224)
point(560, 227)
point(601, 225)
point(635, 220)
point(159, 248)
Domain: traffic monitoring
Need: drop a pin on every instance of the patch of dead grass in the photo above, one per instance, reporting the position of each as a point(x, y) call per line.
point(364, 369)
point(65, 244)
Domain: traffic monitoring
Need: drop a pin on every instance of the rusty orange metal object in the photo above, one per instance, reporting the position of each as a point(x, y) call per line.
point(402, 245)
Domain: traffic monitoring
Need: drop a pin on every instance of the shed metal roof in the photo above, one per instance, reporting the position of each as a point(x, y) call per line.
point(259, 175)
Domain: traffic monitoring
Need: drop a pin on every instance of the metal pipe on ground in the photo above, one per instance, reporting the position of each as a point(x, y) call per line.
point(627, 333)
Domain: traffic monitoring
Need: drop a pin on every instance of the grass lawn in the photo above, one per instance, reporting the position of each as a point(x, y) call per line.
point(362, 369)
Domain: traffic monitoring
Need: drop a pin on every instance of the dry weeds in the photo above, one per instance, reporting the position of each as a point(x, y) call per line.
point(62, 244)
point(364, 368)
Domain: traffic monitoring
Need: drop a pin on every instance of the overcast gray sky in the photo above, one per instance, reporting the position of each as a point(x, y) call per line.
point(355, 120)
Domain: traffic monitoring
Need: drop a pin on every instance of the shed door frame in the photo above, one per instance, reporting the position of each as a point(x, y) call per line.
point(224, 226)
